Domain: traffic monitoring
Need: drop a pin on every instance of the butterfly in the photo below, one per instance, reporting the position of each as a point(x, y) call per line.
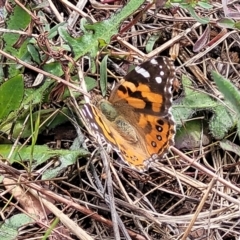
point(136, 120)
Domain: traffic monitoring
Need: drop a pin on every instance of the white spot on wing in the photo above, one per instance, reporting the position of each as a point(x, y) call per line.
point(159, 138)
point(142, 71)
point(161, 73)
point(153, 61)
point(94, 125)
point(170, 89)
point(89, 112)
point(158, 79)
point(83, 111)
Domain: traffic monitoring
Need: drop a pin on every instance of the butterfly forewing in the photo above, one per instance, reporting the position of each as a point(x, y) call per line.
point(148, 87)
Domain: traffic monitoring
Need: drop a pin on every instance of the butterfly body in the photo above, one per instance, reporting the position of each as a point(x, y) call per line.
point(116, 117)
point(136, 120)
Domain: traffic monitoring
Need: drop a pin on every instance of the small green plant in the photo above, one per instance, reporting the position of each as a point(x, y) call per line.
point(190, 7)
point(194, 101)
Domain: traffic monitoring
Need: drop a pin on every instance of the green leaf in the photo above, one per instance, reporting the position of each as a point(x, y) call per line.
point(11, 96)
point(98, 32)
point(66, 160)
point(221, 122)
point(226, 23)
point(90, 83)
point(229, 91)
point(9, 228)
point(31, 96)
point(195, 101)
point(34, 53)
point(202, 20)
point(192, 135)
point(151, 42)
point(229, 146)
point(192, 102)
point(44, 21)
point(46, 116)
point(41, 154)
point(54, 68)
point(204, 5)
point(35, 96)
point(231, 94)
point(54, 30)
point(237, 25)
point(19, 19)
point(103, 75)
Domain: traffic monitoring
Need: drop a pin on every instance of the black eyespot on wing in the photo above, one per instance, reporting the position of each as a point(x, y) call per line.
point(160, 122)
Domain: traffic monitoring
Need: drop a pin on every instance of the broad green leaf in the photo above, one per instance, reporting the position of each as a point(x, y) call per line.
point(31, 96)
point(221, 122)
point(49, 122)
point(103, 75)
point(90, 83)
point(230, 92)
point(237, 25)
point(204, 5)
point(100, 32)
point(19, 19)
point(35, 96)
point(192, 135)
point(192, 102)
point(9, 228)
point(195, 101)
point(11, 96)
point(226, 23)
point(54, 68)
point(66, 160)
point(41, 154)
